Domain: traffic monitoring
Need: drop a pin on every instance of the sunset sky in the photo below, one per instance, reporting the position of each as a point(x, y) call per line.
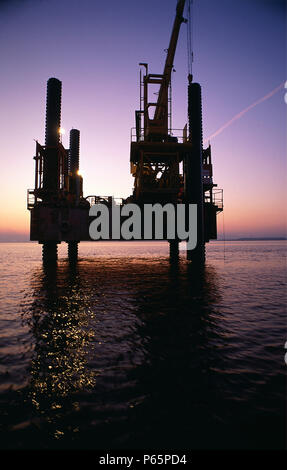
point(94, 48)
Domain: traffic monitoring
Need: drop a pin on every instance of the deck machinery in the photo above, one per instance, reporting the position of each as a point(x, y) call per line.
point(167, 166)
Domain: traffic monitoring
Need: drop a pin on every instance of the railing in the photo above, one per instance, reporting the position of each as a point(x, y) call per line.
point(217, 198)
point(31, 199)
point(108, 200)
point(180, 134)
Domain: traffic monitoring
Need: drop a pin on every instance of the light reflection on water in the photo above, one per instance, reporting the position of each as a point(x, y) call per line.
point(134, 351)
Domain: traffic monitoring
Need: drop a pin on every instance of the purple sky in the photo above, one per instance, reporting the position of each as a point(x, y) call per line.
point(94, 47)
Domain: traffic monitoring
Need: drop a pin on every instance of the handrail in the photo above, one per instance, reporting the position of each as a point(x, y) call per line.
point(93, 199)
point(180, 134)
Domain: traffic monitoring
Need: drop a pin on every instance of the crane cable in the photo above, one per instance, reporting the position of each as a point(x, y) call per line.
point(189, 31)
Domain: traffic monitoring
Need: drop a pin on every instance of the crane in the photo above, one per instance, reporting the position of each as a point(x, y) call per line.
point(170, 168)
point(155, 154)
point(156, 128)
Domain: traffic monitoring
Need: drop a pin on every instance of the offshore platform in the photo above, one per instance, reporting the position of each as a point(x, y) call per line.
point(168, 167)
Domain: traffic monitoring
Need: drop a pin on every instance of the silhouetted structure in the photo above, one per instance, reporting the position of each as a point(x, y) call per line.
point(168, 166)
point(171, 166)
point(58, 210)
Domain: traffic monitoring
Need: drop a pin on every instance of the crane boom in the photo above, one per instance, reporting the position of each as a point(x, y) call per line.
point(156, 128)
point(162, 96)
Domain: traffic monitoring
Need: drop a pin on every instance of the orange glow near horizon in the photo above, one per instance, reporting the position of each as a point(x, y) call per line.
point(235, 221)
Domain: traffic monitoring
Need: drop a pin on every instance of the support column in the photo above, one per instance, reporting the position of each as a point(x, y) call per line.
point(193, 168)
point(73, 251)
point(173, 249)
point(74, 152)
point(74, 157)
point(49, 252)
point(52, 136)
point(51, 163)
